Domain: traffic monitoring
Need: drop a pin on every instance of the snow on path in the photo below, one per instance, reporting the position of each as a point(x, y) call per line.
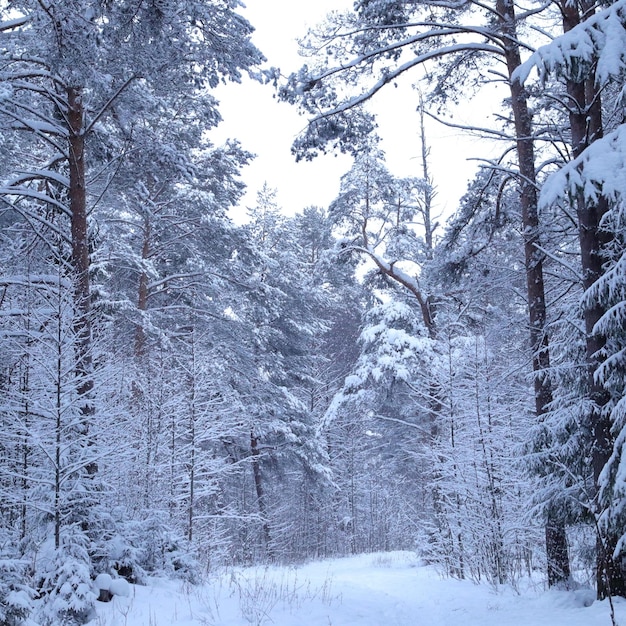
point(367, 590)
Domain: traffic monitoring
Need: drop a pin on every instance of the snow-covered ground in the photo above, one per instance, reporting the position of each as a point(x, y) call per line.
point(370, 590)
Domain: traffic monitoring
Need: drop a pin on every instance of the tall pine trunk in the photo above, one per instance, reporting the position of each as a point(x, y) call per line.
point(556, 540)
point(143, 292)
point(80, 259)
point(586, 124)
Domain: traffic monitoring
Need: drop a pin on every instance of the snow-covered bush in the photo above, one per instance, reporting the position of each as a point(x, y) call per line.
point(120, 587)
point(124, 557)
point(102, 585)
point(15, 596)
point(164, 551)
point(132, 549)
point(65, 590)
point(116, 548)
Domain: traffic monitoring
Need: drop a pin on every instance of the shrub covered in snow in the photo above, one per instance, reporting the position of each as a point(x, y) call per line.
point(124, 557)
point(120, 587)
point(102, 585)
point(131, 549)
point(116, 548)
point(15, 596)
point(66, 591)
point(164, 551)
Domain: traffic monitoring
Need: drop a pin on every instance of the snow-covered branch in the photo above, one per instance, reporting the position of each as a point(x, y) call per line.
point(27, 192)
point(392, 75)
point(49, 175)
point(598, 43)
point(16, 22)
point(599, 171)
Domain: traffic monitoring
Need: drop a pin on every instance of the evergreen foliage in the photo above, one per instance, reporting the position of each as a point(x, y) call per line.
point(179, 392)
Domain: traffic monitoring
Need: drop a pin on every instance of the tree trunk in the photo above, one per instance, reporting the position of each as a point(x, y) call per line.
point(58, 431)
point(556, 547)
point(192, 382)
point(142, 293)
point(585, 116)
point(80, 259)
point(557, 557)
point(429, 194)
point(260, 491)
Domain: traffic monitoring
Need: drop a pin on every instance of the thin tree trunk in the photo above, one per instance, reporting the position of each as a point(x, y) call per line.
point(429, 194)
point(26, 420)
point(192, 437)
point(58, 424)
point(260, 491)
point(142, 293)
point(557, 557)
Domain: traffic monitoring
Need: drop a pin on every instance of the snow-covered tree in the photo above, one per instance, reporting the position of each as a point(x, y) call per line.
point(588, 58)
point(88, 91)
point(356, 54)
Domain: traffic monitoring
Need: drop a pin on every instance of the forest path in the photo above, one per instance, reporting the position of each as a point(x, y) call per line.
point(390, 589)
point(394, 590)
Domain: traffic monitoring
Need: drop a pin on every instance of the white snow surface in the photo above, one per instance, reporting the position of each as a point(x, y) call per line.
point(387, 589)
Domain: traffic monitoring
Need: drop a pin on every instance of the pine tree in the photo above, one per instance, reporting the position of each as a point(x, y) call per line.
point(373, 37)
point(587, 70)
point(82, 81)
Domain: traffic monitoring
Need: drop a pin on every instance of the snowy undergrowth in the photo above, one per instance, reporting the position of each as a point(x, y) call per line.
point(260, 591)
point(390, 589)
point(235, 596)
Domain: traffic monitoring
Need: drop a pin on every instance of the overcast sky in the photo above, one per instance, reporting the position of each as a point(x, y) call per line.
point(267, 127)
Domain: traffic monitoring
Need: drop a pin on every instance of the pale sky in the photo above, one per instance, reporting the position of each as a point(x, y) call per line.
point(267, 127)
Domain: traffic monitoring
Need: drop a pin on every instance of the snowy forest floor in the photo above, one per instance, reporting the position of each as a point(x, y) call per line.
point(389, 589)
